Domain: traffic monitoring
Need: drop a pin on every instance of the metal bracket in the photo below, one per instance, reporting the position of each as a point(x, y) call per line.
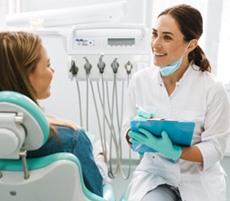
point(22, 155)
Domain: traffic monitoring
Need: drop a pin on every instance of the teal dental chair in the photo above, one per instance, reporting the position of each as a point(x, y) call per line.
point(56, 177)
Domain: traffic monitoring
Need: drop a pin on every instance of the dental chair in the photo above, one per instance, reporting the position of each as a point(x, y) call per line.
point(56, 177)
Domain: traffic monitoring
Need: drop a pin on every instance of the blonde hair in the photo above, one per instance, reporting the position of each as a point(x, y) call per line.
point(19, 56)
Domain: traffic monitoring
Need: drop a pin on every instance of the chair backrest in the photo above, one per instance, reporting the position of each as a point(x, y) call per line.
point(23, 126)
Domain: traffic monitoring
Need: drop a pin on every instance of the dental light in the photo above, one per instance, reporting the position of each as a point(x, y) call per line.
point(104, 12)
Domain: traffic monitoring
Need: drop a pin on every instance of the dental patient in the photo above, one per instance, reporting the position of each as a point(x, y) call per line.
point(25, 68)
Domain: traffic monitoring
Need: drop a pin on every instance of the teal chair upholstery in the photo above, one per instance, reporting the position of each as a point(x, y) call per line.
point(56, 177)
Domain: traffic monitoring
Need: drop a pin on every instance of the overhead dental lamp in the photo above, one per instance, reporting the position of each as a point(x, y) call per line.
point(104, 12)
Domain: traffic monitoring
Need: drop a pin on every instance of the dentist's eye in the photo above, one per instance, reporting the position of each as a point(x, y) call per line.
point(166, 37)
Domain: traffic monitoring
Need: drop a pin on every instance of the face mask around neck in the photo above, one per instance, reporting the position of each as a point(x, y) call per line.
point(171, 68)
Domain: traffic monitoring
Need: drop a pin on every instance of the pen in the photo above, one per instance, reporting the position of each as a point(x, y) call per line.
point(139, 108)
point(143, 113)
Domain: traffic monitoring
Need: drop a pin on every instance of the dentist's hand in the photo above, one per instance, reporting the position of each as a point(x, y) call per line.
point(161, 144)
point(143, 115)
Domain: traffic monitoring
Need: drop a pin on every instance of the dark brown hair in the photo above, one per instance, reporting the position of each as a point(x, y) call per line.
point(190, 23)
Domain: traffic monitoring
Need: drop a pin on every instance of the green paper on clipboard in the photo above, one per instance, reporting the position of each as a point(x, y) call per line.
point(181, 133)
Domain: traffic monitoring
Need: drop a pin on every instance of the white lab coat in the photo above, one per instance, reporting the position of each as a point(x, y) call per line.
point(198, 97)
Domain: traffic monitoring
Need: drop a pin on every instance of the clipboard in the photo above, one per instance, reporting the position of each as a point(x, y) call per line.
point(180, 132)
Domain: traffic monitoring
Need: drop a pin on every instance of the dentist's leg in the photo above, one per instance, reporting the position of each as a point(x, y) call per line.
point(162, 193)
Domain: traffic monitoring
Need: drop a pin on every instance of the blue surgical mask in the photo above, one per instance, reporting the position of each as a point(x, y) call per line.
point(171, 68)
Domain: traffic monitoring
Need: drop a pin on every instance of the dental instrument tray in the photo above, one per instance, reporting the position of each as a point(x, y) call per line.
point(180, 132)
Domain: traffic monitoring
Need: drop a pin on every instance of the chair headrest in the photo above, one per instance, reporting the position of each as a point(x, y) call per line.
point(8, 141)
point(22, 123)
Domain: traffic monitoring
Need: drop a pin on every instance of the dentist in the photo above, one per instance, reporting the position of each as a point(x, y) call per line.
point(179, 86)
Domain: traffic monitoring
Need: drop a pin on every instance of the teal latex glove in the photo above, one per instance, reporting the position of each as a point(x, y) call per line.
point(143, 115)
point(161, 144)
